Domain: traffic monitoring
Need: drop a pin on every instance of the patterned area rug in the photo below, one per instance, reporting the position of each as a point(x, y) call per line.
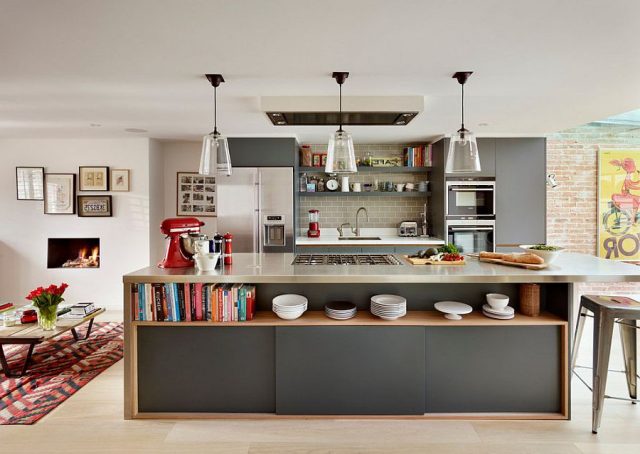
point(59, 368)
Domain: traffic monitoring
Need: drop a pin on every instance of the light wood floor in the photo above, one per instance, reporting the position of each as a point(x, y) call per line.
point(91, 422)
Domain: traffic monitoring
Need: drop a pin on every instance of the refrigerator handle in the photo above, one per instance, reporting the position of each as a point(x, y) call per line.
point(257, 236)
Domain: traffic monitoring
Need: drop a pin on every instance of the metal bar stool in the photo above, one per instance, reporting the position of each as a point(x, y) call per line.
point(608, 310)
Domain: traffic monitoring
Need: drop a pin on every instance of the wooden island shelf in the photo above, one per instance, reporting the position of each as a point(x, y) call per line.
point(419, 366)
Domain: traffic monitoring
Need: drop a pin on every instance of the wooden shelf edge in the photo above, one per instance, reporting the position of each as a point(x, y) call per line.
point(366, 194)
point(399, 169)
point(365, 318)
point(431, 416)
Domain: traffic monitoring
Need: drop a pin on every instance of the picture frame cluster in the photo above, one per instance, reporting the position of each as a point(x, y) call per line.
point(58, 191)
point(196, 195)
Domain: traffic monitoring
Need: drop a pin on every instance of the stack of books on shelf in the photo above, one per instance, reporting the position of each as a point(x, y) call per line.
point(418, 156)
point(193, 302)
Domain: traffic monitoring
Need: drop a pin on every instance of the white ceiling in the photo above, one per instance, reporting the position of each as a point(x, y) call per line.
point(540, 65)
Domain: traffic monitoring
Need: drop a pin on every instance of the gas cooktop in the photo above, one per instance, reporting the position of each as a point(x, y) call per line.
point(346, 259)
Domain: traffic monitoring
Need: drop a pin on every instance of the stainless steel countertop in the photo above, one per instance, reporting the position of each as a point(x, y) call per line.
point(277, 268)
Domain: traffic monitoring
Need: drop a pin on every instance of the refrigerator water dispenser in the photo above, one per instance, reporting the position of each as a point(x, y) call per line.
point(274, 235)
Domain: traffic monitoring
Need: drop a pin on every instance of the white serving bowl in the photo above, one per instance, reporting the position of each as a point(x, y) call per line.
point(548, 256)
point(206, 262)
point(289, 315)
point(289, 301)
point(497, 301)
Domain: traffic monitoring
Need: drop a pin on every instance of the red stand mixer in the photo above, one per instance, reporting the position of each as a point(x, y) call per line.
point(176, 256)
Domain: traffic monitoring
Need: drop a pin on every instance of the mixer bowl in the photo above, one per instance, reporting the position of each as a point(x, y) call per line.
point(187, 242)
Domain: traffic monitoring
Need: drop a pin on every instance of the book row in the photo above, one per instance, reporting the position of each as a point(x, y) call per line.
point(419, 156)
point(187, 302)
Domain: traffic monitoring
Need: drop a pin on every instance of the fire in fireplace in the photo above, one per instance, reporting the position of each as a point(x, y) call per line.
point(73, 253)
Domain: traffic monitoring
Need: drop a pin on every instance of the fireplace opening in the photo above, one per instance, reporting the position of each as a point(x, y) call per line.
point(73, 253)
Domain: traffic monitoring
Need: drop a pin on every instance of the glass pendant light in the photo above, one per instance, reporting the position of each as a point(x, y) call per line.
point(341, 157)
point(215, 143)
point(463, 154)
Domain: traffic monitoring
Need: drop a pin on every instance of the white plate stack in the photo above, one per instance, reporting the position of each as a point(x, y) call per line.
point(388, 307)
point(501, 314)
point(340, 310)
point(497, 307)
point(289, 306)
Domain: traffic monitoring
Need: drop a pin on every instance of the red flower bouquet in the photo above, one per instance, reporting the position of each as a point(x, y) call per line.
point(46, 301)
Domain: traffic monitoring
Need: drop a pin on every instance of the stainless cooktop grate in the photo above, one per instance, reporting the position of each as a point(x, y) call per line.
point(346, 259)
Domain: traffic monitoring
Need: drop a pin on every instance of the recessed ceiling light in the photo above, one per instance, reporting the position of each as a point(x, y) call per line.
point(95, 125)
point(483, 124)
point(135, 130)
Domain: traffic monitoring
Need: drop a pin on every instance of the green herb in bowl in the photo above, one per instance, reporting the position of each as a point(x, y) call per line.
point(544, 247)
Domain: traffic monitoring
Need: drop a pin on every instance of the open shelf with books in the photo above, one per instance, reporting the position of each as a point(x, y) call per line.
point(192, 302)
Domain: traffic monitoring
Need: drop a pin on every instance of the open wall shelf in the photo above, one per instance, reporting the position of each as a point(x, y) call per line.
point(365, 194)
point(366, 169)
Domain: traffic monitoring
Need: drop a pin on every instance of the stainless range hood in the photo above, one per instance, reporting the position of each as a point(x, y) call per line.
point(357, 110)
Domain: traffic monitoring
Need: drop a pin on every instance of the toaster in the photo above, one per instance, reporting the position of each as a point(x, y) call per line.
point(408, 228)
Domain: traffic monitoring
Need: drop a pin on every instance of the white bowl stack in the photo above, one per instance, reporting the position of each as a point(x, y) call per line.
point(497, 307)
point(388, 307)
point(289, 306)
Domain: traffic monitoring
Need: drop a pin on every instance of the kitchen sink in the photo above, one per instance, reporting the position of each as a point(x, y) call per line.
point(346, 259)
point(359, 238)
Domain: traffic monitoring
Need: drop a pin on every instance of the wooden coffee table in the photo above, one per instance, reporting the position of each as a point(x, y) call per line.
point(32, 335)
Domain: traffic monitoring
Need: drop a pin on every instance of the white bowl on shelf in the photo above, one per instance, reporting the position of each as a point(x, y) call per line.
point(289, 306)
point(289, 315)
point(289, 300)
point(547, 256)
point(497, 301)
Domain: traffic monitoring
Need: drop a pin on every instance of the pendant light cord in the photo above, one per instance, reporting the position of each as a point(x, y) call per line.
point(340, 116)
point(462, 106)
point(215, 110)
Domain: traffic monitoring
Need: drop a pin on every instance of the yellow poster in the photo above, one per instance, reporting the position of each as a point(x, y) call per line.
point(618, 204)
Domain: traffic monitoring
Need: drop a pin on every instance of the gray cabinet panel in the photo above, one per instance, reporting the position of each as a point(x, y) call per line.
point(493, 369)
point(520, 191)
point(205, 369)
point(263, 151)
point(350, 370)
point(487, 152)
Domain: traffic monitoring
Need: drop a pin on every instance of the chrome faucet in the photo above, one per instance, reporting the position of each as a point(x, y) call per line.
point(342, 226)
point(356, 231)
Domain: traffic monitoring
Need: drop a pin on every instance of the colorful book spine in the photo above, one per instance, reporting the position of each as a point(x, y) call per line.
point(148, 303)
point(167, 298)
point(157, 298)
point(186, 290)
point(141, 302)
point(135, 302)
point(198, 295)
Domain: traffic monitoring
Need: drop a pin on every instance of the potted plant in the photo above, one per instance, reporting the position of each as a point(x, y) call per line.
point(46, 302)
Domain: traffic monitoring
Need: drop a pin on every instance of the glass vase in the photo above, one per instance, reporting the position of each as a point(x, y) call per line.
point(47, 317)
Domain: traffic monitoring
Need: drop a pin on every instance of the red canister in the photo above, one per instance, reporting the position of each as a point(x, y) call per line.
point(228, 248)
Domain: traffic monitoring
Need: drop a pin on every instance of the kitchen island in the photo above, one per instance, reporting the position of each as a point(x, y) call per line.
point(419, 366)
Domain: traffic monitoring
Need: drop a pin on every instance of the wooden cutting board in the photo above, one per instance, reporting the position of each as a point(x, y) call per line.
point(418, 261)
point(528, 266)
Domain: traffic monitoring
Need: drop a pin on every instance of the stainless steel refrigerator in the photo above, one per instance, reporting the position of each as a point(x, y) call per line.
point(255, 205)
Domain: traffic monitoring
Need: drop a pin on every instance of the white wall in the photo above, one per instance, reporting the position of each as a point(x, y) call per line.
point(181, 156)
point(24, 229)
point(156, 201)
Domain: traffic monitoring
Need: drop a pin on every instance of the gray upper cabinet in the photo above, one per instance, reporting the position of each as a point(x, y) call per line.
point(263, 151)
point(520, 190)
point(487, 151)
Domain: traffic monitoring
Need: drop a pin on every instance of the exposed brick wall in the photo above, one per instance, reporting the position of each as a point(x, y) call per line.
point(572, 206)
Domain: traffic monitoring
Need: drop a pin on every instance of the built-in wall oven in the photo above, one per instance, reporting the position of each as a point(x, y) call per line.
point(475, 197)
point(472, 235)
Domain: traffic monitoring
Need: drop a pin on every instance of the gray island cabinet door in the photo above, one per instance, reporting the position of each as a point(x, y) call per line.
point(211, 369)
point(349, 370)
point(521, 191)
point(472, 369)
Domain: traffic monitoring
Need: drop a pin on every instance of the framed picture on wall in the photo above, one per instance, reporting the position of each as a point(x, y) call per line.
point(59, 193)
point(30, 183)
point(618, 204)
point(196, 194)
point(120, 179)
point(94, 178)
point(93, 206)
